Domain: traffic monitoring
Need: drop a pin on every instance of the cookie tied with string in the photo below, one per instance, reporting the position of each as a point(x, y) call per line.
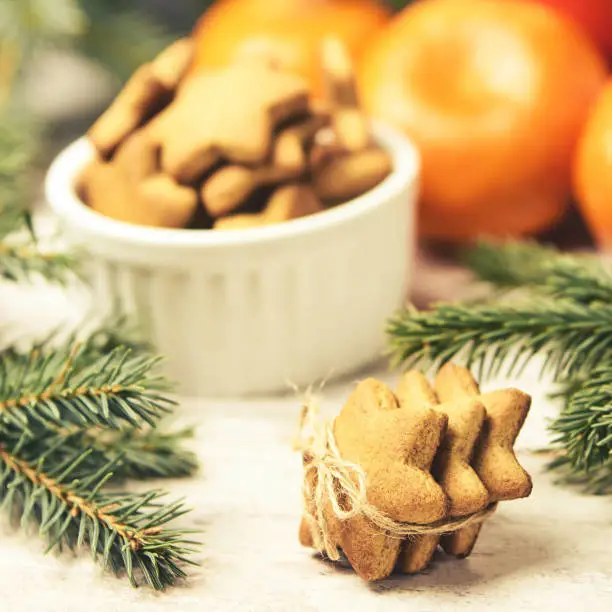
point(395, 448)
point(494, 460)
point(466, 492)
point(395, 475)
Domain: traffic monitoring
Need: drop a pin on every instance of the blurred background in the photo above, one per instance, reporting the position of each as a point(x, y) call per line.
point(66, 59)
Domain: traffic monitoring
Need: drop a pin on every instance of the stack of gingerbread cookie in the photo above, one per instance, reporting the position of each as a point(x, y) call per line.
point(237, 147)
point(430, 456)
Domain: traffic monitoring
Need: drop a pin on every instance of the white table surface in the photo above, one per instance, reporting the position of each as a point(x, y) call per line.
point(548, 552)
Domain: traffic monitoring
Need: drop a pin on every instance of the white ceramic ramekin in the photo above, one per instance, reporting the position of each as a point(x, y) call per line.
point(247, 311)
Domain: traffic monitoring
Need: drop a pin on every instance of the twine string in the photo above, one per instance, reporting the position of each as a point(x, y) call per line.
point(333, 482)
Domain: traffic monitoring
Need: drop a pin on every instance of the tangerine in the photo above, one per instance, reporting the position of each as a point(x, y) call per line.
point(593, 169)
point(495, 95)
point(288, 30)
point(595, 16)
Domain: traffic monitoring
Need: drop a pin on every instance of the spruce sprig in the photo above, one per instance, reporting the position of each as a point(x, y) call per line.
point(572, 337)
point(24, 260)
point(543, 269)
point(21, 257)
point(144, 453)
point(18, 149)
point(67, 429)
point(126, 530)
point(564, 314)
point(112, 333)
point(148, 453)
point(72, 422)
point(111, 391)
point(584, 427)
point(597, 480)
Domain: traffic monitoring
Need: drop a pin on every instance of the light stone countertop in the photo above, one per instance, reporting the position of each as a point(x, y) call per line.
point(550, 551)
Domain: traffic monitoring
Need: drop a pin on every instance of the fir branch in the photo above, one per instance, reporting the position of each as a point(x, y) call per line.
point(115, 332)
point(20, 256)
point(18, 147)
point(566, 317)
point(571, 336)
point(542, 269)
point(52, 390)
point(128, 531)
point(152, 453)
point(142, 454)
point(22, 261)
point(584, 427)
point(509, 264)
point(147, 452)
point(596, 481)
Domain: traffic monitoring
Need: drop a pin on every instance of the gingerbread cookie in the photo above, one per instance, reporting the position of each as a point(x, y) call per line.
point(292, 202)
point(146, 92)
point(229, 113)
point(230, 186)
point(347, 176)
point(288, 202)
point(138, 100)
point(348, 120)
point(395, 447)
point(234, 135)
point(293, 141)
point(156, 200)
point(172, 64)
point(460, 438)
point(494, 460)
point(238, 222)
point(168, 204)
point(451, 468)
point(137, 157)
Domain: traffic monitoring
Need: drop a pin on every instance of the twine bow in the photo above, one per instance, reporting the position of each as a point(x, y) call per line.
point(330, 480)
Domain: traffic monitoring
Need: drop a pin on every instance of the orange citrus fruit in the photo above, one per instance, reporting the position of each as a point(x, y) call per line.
point(289, 30)
point(495, 95)
point(593, 169)
point(595, 16)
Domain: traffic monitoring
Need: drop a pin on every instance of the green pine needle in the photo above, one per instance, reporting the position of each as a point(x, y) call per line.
point(18, 148)
point(127, 532)
point(584, 427)
point(74, 420)
point(564, 315)
point(510, 264)
point(24, 261)
point(115, 332)
point(52, 390)
point(571, 336)
point(143, 453)
point(20, 255)
point(147, 452)
point(151, 453)
point(596, 480)
point(541, 269)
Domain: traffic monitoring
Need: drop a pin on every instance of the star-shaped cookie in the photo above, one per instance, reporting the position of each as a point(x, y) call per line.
point(494, 460)
point(451, 468)
point(395, 447)
point(131, 189)
point(229, 114)
point(148, 90)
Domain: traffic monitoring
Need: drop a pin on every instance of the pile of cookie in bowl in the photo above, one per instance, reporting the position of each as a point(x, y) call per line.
point(234, 148)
